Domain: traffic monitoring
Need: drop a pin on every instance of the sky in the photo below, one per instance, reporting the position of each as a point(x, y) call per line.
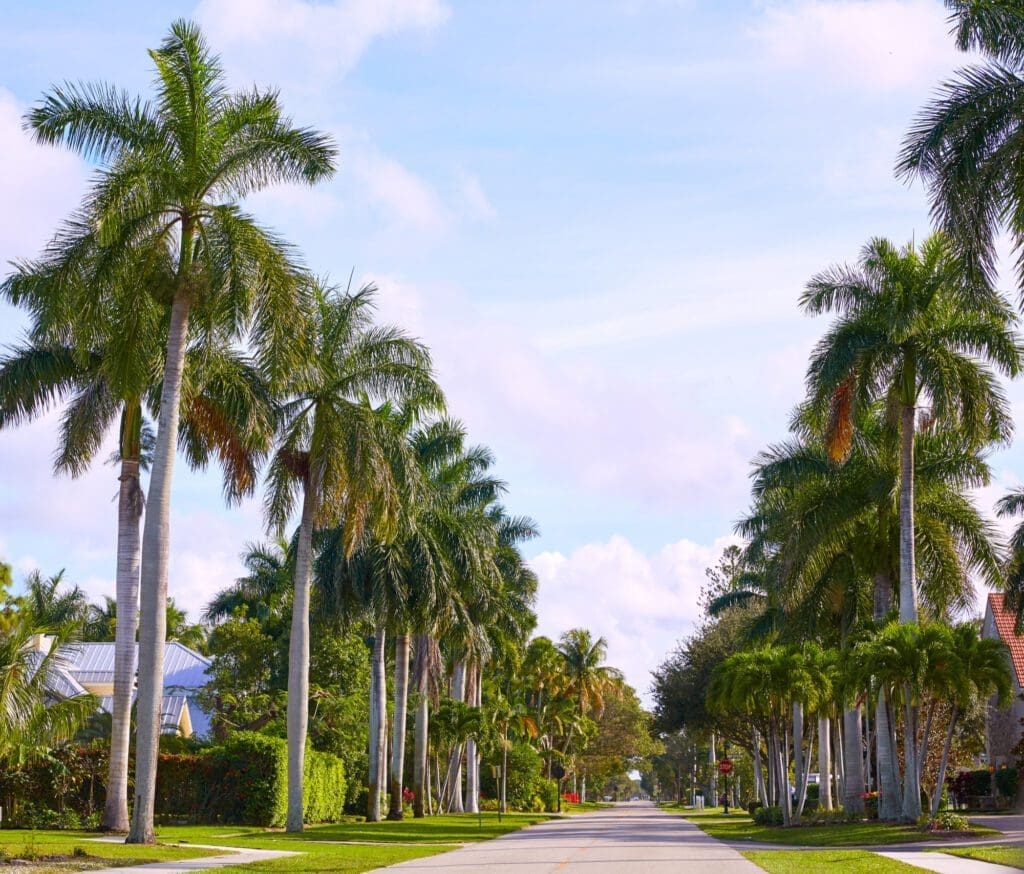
point(599, 214)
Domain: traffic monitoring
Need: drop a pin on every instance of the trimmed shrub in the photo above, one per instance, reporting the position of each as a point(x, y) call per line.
point(946, 821)
point(768, 815)
point(547, 792)
point(245, 781)
point(753, 806)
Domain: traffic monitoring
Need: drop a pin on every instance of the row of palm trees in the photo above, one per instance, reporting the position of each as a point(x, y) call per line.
point(868, 507)
point(162, 301)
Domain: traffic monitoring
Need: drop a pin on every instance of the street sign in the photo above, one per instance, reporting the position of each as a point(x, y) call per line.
point(725, 766)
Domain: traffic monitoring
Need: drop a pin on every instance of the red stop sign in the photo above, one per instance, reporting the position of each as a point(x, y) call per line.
point(725, 766)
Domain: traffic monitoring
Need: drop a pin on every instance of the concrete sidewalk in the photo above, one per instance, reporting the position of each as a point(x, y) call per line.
point(231, 856)
point(946, 864)
point(631, 838)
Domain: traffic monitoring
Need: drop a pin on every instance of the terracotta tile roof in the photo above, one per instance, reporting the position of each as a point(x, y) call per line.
point(1004, 622)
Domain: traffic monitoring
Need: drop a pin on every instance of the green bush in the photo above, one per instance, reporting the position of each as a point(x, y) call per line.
point(752, 806)
point(946, 821)
point(813, 792)
point(1006, 782)
point(768, 815)
point(547, 791)
point(524, 769)
point(324, 787)
point(245, 781)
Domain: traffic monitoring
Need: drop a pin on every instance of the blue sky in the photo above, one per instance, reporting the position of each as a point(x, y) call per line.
point(598, 214)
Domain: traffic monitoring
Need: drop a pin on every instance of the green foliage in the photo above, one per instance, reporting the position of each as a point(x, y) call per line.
point(245, 781)
point(524, 776)
point(946, 821)
point(547, 792)
point(770, 816)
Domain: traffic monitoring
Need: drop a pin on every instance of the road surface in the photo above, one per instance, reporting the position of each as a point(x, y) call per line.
point(631, 838)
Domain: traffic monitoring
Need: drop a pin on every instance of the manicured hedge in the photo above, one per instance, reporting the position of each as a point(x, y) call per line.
point(245, 781)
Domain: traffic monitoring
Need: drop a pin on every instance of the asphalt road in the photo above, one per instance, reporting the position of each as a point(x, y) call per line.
point(630, 838)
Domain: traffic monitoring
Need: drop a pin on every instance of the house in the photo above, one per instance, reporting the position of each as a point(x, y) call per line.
point(89, 667)
point(1003, 728)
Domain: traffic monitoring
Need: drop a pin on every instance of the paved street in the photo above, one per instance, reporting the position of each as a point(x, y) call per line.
point(634, 838)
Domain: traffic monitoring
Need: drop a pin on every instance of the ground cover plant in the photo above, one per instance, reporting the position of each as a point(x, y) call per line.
point(826, 861)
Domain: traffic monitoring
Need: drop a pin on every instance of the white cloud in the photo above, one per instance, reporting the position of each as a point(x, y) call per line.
point(585, 424)
point(39, 185)
point(295, 39)
point(474, 200)
point(641, 603)
point(883, 45)
point(399, 195)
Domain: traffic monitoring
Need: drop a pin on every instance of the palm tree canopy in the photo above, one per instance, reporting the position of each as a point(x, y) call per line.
point(913, 329)
point(965, 144)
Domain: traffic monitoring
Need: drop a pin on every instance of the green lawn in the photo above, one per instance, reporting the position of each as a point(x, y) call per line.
point(826, 862)
point(1012, 856)
point(36, 845)
point(741, 828)
point(356, 846)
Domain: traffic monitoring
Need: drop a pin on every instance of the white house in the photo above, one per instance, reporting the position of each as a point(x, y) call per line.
point(89, 667)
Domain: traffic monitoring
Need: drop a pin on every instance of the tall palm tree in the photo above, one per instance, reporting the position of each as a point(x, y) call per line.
point(965, 144)
point(336, 454)
point(225, 412)
point(975, 668)
point(173, 171)
point(916, 330)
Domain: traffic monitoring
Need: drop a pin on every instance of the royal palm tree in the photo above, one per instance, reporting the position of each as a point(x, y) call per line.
point(916, 330)
point(225, 412)
point(172, 172)
point(975, 668)
point(965, 145)
point(338, 456)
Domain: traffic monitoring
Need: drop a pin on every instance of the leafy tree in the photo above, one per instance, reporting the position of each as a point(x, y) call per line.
point(163, 211)
point(336, 453)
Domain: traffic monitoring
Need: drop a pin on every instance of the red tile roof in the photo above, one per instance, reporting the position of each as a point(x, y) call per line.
point(1004, 622)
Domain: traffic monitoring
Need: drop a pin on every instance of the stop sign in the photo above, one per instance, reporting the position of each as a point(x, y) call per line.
point(725, 766)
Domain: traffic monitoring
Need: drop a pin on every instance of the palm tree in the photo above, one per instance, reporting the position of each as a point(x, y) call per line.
point(834, 529)
point(914, 329)
point(974, 668)
point(164, 210)
point(337, 454)
point(587, 678)
point(224, 411)
point(965, 144)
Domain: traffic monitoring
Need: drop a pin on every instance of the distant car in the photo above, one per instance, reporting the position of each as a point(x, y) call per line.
point(606, 798)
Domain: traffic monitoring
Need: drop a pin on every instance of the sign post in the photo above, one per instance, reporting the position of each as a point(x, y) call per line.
point(725, 769)
point(558, 772)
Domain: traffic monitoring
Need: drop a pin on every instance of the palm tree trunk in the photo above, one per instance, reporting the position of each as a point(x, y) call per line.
point(154, 565)
point(713, 771)
point(454, 779)
point(890, 801)
point(787, 796)
point(759, 789)
point(937, 795)
point(130, 502)
point(472, 750)
point(922, 750)
point(911, 774)
point(853, 761)
point(298, 661)
point(398, 738)
point(798, 744)
point(908, 583)
point(504, 772)
point(378, 725)
point(825, 763)
point(421, 762)
point(838, 760)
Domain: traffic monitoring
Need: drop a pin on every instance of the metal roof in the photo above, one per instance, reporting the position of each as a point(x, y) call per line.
point(171, 709)
point(94, 663)
point(58, 681)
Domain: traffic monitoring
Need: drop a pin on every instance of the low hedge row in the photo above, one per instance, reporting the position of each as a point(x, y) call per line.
point(245, 781)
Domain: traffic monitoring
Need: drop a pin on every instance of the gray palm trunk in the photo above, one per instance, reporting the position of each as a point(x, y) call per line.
point(454, 778)
point(759, 787)
point(838, 761)
point(421, 752)
point(401, 711)
point(130, 503)
point(853, 761)
point(153, 579)
point(472, 750)
point(911, 774)
point(825, 763)
point(908, 582)
point(944, 763)
point(713, 770)
point(298, 662)
point(890, 797)
point(798, 743)
point(378, 726)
